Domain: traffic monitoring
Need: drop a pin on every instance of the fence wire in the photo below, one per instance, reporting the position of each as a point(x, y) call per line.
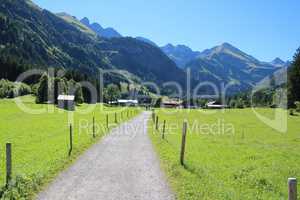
point(41, 152)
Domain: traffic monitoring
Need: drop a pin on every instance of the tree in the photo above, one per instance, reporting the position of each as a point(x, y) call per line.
point(112, 92)
point(232, 103)
point(297, 103)
point(6, 88)
point(272, 81)
point(79, 94)
point(158, 103)
point(202, 102)
point(294, 80)
point(76, 90)
point(240, 103)
point(59, 87)
point(43, 89)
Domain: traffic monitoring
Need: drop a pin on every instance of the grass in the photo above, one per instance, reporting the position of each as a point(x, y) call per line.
point(253, 161)
point(40, 142)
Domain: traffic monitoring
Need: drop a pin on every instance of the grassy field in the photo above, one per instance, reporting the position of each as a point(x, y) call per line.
point(253, 161)
point(40, 142)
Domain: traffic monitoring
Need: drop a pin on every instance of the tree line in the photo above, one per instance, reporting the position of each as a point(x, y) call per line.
point(11, 68)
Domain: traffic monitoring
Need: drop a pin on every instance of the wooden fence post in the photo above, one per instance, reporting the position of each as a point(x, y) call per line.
point(71, 140)
point(94, 135)
point(107, 121)
point(8, 164)
point(156, 123)
point(153, 117)
point(184, 129)
point(164, 129)
point(292, 187)
point(116, 120)
point(127, 113)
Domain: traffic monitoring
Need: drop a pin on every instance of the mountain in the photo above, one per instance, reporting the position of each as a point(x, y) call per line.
point(32, 37)
point(110, 32)
point(102, 32)
point(147, 41)
point(37, 38)
point(226, 63)
point(278, 62)
point(75, 22)
point(180, 54)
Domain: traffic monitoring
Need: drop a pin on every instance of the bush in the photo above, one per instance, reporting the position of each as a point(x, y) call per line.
point(240, 104)
point(232, 103)
point(21, 89)
point(23, 187)
point(6, 88)
point(10, 89)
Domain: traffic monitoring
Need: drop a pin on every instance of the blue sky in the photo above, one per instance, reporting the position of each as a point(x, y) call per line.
point(263, 28)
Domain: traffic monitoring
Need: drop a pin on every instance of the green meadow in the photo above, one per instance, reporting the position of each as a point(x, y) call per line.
point(242, 159)
point(40, 142)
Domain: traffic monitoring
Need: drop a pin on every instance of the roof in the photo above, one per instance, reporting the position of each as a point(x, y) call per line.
point(171, 102)
point(213, 104)
point(66, 97)
point(216, 106)
point(128, 101)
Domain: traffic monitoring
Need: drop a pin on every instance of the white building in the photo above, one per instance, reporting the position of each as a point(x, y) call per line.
point(215, 105)
point(125, 102)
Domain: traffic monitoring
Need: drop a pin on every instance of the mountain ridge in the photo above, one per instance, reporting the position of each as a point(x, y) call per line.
point(39, 38)
point(102, 32)
point(228, 64)
point(180, 54)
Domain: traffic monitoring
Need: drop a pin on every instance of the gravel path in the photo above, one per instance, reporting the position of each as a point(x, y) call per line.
point(123, 166)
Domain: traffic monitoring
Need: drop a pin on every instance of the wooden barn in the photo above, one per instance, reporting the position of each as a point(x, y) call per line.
point(66, 102)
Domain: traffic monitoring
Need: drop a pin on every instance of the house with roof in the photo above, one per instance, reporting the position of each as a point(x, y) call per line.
point(172, 104)
point(125, 102)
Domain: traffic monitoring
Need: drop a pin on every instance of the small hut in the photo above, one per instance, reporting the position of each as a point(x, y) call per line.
point(66, 102)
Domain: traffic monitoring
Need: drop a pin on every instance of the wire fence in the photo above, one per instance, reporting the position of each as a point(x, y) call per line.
point(46, 147)
point(171, 137)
